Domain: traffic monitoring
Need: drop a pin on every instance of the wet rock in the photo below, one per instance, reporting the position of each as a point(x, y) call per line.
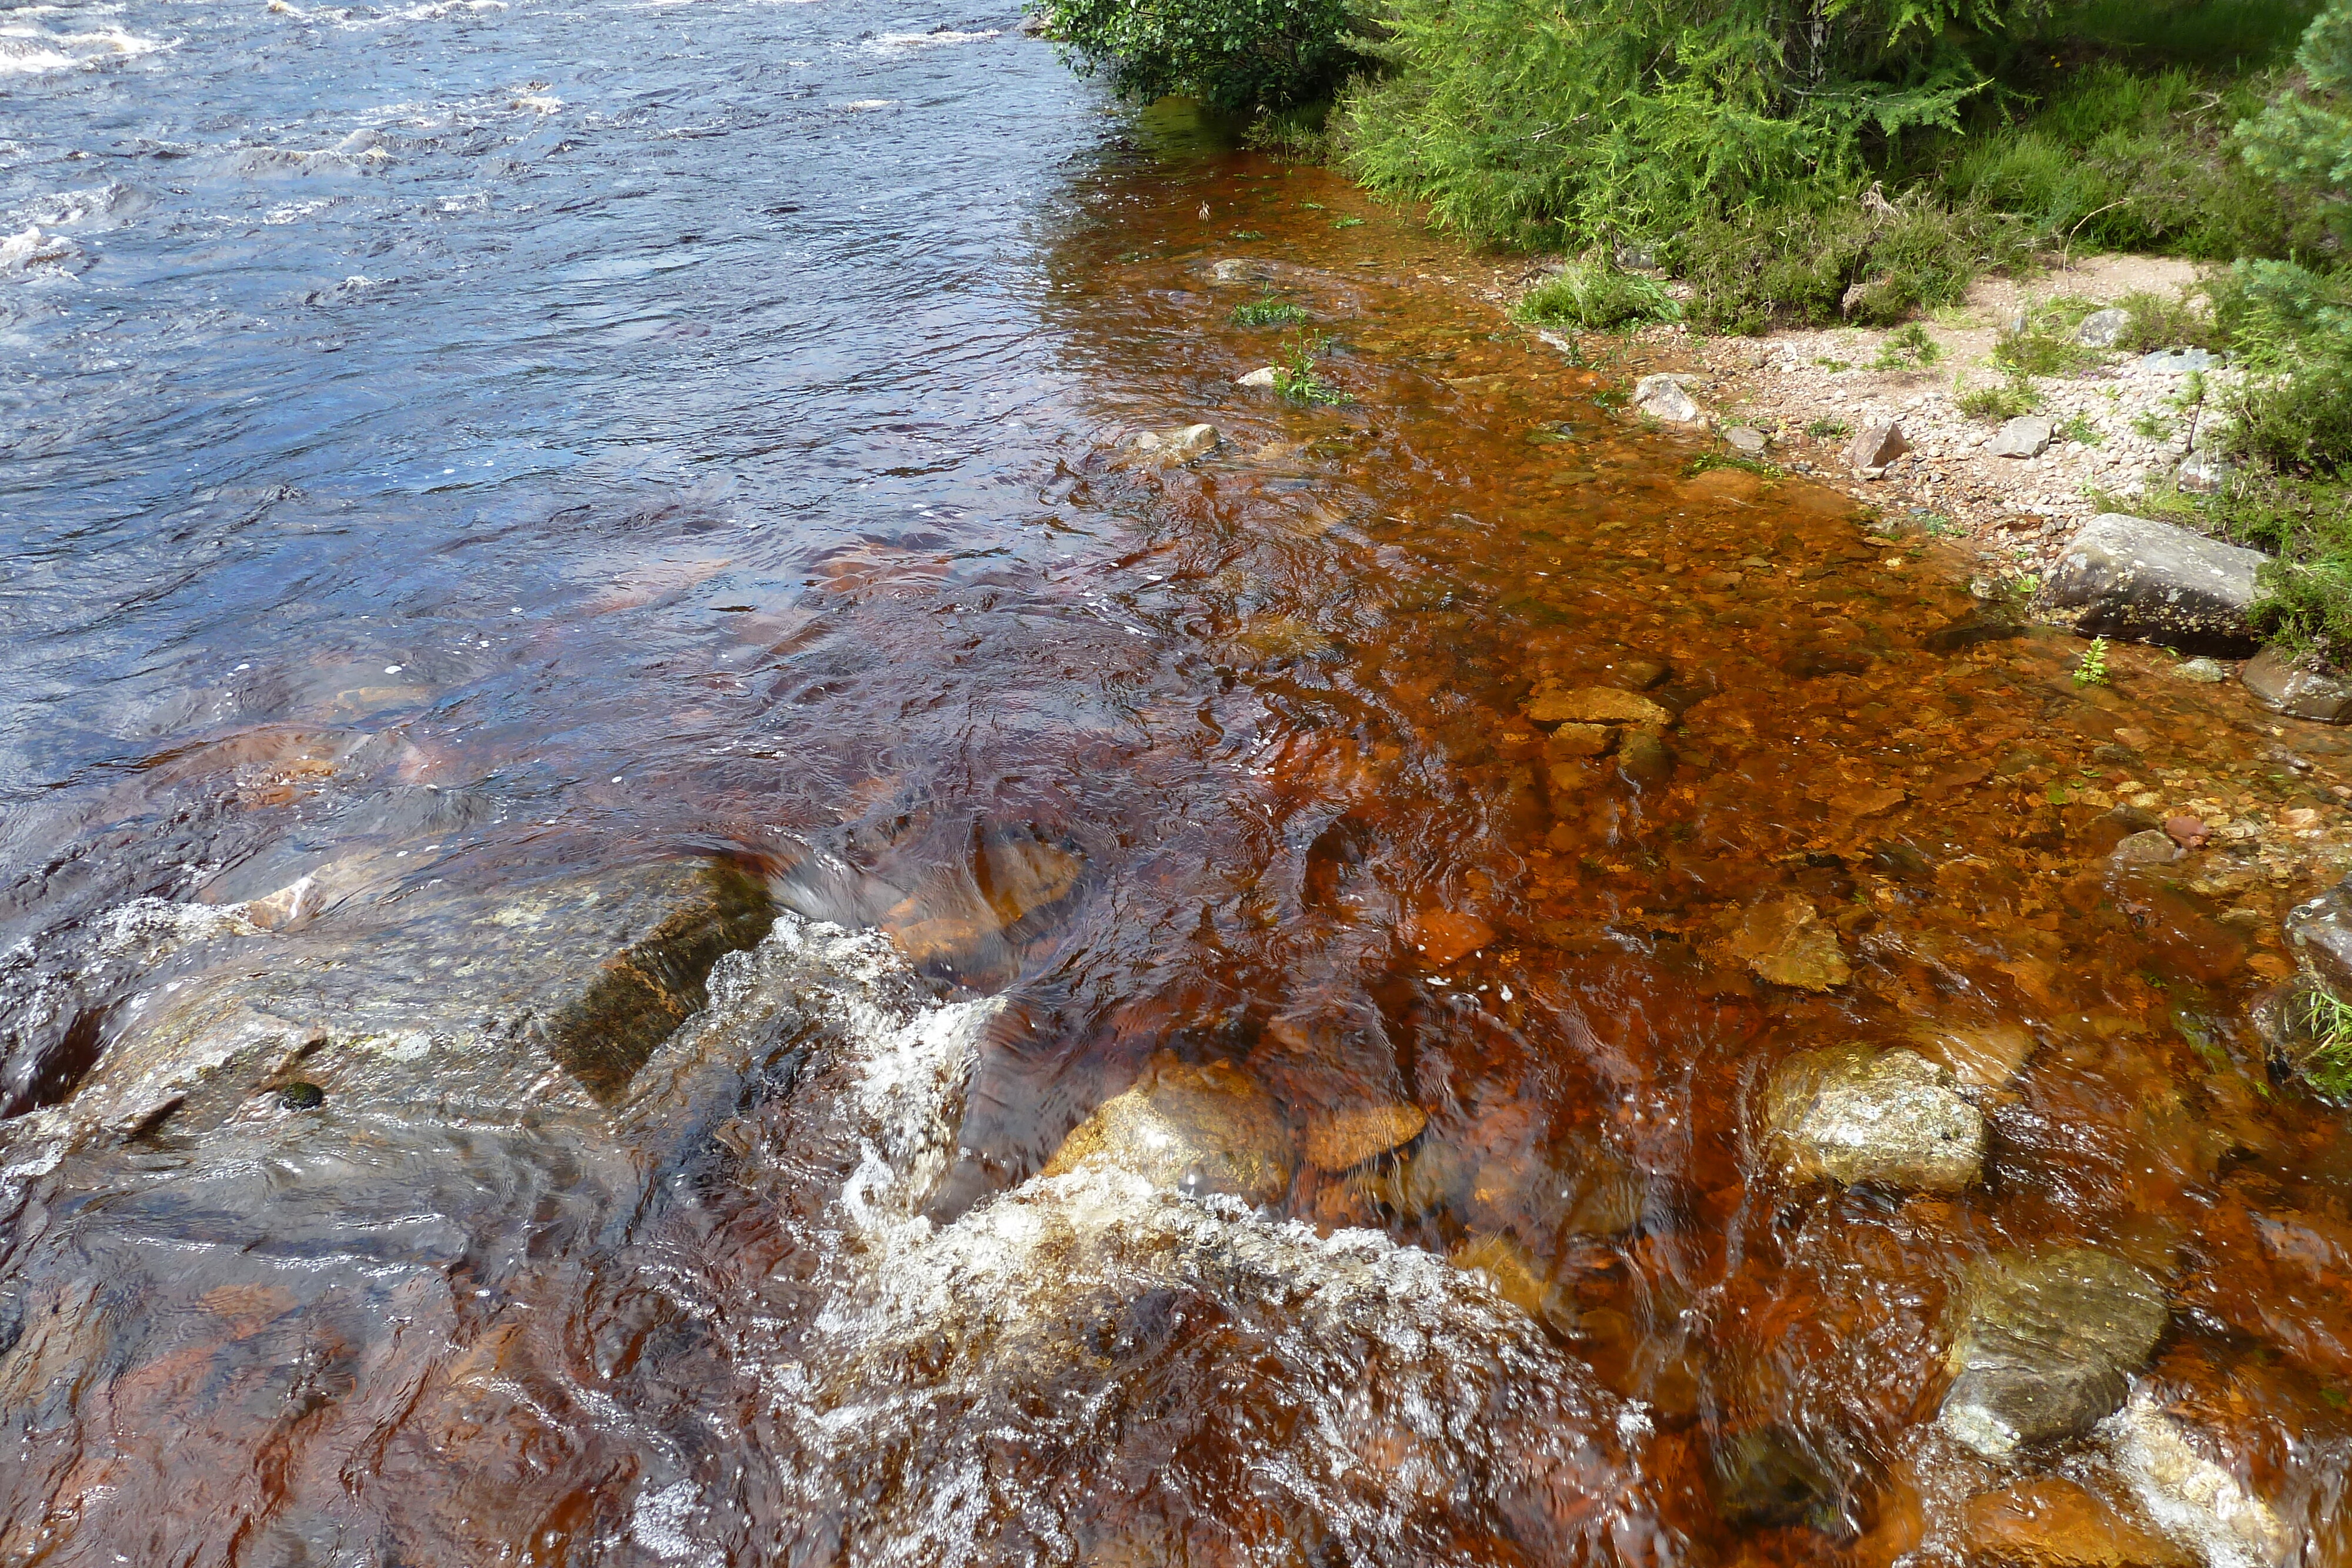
point(1036, 24)
point(1855, 1115)
point(1445, 936)
point(1508, 1268)
point(2188, 1495)
point(1979, 1056)
point(1769, 1476)
point(1193, 1130)
point(1665, 398)
point(1746, 439)
point(1260, 377)
point(1180, 445)
point(1876, 444)
point(1572, 742)
point(2151, 846)
point(1343, 1140)
point(1644, 757)
point(1786, 943)
point(2145, 581)
point(1639, 674)
point(2319, 932)
point(2199, 672)
point(2189, 832)
point(2046, 1344)
point(2103, 329)
point(1551, 704)
point(2052, 1522)
point(461, 1001)
point(1013, 877)
point(2023, 437)
point(2202, 474)
point(2294, 686)
point(1239, 269)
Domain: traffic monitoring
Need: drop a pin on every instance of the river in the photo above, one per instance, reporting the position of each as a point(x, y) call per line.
point(625, 702)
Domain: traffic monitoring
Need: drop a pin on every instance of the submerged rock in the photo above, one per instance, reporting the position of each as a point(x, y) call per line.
point(2202, 672)
point(2151, 846)
point(1853, 1115)
point(1341, 1140)
point(2189, 1497)
point(2293, 686)
point(2052, 1522)
point(1012, 878)
point(1746, 439)
point(1769, 1476)
point(1179, 445)
point(1190, 1130)
point(1445, 936)
point(2150, 583)
point(466, 1001)
point(2046, 1345)
point(1551, 704)
point(1260, 377)
point(1785, 941)
point(2319, 931)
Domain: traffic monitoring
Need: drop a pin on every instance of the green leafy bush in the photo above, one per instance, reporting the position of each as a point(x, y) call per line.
point(1596, 298)
point(2305, 138)
point(1872, 264)
point(2293, 330)
point(1235, 56)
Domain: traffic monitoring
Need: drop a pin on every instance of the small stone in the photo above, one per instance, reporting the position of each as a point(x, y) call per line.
point(1876, 444)
point(2189, 832)
point(1785, 941)
point(1193, 1130)
point(2202, 671)
point(1508, 1269)
point(2152, 847)
point(1191, 441)
point(1853, 1115)
point(300, 1096)
point(1547, 704)
point(2294, 686)
point(1240, 270)
point(2103, 329)
point(1443, 937)
point(2052, 1522)
point(1664, 398)
point(2047, 1345)
point(1260, 377)
point(1746, 439)
point(1345, 1139)
point(1867, 802)
point(2024, 437)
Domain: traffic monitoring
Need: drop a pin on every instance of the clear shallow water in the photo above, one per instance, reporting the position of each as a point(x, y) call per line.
point(459, 451)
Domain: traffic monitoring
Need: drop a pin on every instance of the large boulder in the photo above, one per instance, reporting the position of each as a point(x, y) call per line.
point(2046, 1345)
point(2295, 688)
point(2320, 932)
point(1855, 1115)
point(2144, 581)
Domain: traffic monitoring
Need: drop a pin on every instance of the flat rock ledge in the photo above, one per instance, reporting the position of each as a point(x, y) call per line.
point(2144, 581)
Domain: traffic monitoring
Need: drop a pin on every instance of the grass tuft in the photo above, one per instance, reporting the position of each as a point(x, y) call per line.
point(1269, 313)
point(1596, 298)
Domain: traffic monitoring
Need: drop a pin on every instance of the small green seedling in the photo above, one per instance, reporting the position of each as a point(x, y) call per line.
point(2092, 669)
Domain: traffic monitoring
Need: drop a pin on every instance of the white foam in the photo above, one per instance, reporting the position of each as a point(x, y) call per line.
point(969, 1341)
point(2198, 1504)
point(899, 43)
point(26, 51)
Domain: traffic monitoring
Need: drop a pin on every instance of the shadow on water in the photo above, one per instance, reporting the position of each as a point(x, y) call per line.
point(1458, 821)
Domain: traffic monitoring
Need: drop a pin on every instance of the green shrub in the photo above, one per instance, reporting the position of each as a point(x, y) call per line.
point(1906, 348)
point(1235, 55)
point(1295, 377)
point(2158, 322)
point(2305, 138)
point(1596, 298)
point(1872, 264)
point(1546, 125)
point(2010, 399)
point(2293, 330)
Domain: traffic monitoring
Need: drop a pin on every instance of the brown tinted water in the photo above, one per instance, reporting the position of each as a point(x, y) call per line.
point(1222, 764)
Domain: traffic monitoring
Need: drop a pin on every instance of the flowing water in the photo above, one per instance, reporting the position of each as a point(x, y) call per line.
point(467, 461)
